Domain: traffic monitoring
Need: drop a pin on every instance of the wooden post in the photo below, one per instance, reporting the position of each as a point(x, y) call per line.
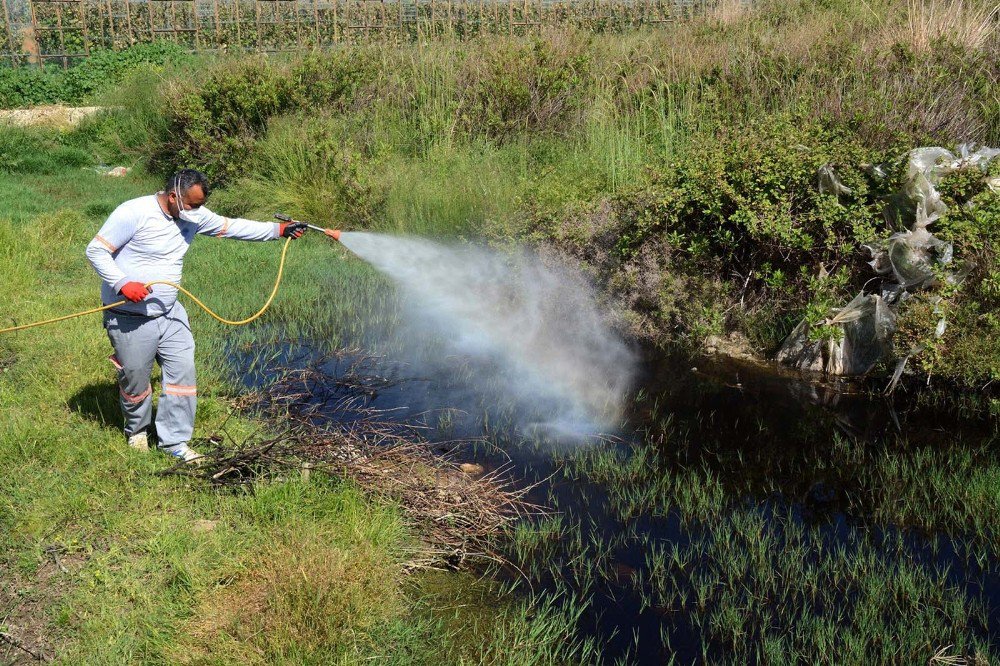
point(298, 24)
point(239, 30)
point(218, 24)
point(128, 22)
point(256, 13)
point(100, 20)
point(30, 46)
point(10, 33)
point(319, 34)
point(62, 36)
point(196, 22)
point(152, 23)
point(111, 24)
point(173, 20)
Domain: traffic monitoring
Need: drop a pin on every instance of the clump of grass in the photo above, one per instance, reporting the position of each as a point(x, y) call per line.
point(24, 150)
point(303, 599)
point(967, 23)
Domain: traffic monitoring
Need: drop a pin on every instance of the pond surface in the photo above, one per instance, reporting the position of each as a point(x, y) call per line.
point(737, 514)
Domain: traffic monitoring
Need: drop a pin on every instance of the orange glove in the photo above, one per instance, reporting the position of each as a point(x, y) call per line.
point(134, 291)
point(292, 229)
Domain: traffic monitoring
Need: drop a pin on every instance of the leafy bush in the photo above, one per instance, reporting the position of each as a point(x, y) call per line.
point(310, 168)
point(969, 349)
point(515, 87)
point(219, 118)
point(29, 86)
point(752, 196)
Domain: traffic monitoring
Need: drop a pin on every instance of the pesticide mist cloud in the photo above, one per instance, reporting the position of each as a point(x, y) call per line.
point(540, 321)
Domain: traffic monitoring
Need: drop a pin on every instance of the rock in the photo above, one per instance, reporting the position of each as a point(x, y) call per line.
point(472, 469)
point(734, 345)
point(118, 172)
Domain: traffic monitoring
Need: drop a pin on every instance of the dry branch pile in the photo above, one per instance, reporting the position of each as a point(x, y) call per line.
point(319, 420)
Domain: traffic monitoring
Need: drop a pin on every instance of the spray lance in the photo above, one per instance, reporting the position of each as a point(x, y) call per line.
point(332, 233)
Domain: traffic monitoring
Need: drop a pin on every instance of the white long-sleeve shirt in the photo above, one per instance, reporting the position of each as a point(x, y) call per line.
point(140, 242)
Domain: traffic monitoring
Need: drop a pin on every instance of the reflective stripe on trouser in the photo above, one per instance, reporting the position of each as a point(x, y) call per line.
point(138, 341)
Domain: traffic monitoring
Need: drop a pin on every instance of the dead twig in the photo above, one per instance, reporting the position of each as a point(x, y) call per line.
point(10, 640)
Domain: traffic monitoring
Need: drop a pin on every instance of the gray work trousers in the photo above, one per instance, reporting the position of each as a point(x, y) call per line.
point(167, 339)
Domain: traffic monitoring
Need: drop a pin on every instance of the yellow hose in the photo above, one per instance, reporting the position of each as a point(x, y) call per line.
point(241, 322)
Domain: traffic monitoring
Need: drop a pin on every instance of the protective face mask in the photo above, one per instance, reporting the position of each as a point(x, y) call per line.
point(181, 206)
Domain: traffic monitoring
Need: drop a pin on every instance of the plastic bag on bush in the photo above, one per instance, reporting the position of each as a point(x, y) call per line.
point(927, 166)
point(913, 256)
point(913, 259)
point(829, 183)
point(924, 171)
point(866, 324)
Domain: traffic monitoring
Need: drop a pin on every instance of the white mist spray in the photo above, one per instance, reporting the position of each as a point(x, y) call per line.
point(541, 320)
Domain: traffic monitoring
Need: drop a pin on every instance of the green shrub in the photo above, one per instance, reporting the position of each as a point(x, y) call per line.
point(969, 350)
point(29, 86)
point(751, 198)
point(310, 168)
point(217, 118)
point(515, 86)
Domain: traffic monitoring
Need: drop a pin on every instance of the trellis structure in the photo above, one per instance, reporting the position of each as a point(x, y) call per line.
point(42, 31)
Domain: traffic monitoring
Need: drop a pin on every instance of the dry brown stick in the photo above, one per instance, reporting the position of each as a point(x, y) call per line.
point(10, 640)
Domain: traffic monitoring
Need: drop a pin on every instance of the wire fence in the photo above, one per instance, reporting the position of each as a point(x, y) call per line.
point(36, 32)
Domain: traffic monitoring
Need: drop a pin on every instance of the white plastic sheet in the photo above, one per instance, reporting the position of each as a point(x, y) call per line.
point(909, 260)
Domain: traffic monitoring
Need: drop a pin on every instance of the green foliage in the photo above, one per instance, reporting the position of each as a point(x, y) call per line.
point(310, 168)
point(961, 186)
point(29, 86)
point(827, 291)
point(218, 118)
point(752, 197)
point(969, 350)
point(132, 124)
point(517, 87)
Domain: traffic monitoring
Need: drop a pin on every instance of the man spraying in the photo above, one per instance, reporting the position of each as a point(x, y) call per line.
point(144, 240)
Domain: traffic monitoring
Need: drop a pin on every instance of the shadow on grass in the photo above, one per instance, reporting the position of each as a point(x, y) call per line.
point(99, 402)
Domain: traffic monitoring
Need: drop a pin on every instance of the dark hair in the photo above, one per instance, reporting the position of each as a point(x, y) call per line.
point(184, 179)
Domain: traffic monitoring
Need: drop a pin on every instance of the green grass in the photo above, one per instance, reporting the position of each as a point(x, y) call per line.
point(140, 567)
point(160, 570)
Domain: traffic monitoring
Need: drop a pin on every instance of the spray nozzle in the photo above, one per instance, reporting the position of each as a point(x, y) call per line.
point(332, 233)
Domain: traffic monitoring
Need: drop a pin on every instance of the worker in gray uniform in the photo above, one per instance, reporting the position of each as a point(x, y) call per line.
point(145, 240)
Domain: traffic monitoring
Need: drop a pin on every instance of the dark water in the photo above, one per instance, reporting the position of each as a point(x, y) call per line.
point(767, 439)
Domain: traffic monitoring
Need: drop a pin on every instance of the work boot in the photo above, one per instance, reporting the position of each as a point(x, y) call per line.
point(183, 452)
point(139, 441)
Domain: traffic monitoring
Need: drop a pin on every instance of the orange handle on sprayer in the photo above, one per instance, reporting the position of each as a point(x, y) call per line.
point(332, 233)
